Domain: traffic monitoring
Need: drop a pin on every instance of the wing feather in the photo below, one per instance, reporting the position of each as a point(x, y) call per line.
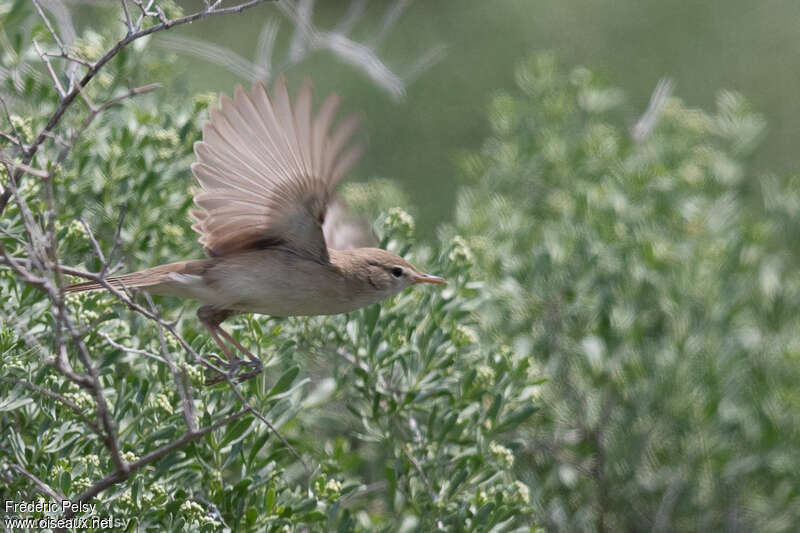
point(267, 171)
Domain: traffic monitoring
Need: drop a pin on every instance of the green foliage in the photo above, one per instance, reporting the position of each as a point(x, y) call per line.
point(405, 414)
point(657, 284)
point(653, 283)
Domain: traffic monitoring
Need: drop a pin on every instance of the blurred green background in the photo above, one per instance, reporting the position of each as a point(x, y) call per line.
point(752, 47)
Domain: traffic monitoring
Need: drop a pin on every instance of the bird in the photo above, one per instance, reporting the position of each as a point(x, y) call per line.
point(267, 171)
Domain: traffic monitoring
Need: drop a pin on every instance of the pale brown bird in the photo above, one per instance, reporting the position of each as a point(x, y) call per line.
point(267, 173)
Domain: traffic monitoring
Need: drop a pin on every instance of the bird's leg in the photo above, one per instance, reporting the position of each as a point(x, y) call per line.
point(211, 317)
point(238, 345)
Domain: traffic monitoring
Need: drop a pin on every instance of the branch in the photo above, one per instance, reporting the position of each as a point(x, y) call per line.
point(128, 349)
point(118, 476)
point(649, 118)
point(39, 173)
point(128, 22)
point(307, 38)
point(180, 378)
point(52, 31)
point(62, 399)
point(94, 111)
point(54, 495)
point(95, 67)
point(390, 18)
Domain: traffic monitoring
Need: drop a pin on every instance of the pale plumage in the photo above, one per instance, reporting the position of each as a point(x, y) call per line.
point(267, 172)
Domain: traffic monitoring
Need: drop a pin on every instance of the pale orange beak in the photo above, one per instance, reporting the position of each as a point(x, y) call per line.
point(427, 278)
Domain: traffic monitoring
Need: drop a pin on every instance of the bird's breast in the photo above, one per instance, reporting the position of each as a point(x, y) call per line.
point(280, 283)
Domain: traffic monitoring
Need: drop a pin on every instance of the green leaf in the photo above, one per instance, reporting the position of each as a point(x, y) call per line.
point(9, 404)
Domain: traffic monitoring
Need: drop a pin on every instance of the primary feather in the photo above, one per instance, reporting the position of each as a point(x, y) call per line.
point(268, 171)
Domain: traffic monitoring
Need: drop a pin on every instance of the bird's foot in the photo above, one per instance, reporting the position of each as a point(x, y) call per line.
point(235, 370)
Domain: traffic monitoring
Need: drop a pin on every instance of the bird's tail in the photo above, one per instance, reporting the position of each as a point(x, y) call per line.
point(143, 278)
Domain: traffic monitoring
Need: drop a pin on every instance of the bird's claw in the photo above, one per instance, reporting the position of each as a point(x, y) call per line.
point(236, 370)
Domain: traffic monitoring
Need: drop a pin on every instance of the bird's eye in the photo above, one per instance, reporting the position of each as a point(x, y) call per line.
point(397, 272)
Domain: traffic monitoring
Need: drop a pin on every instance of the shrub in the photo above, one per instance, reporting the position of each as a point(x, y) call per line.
point(656, 284)
point(401, 416)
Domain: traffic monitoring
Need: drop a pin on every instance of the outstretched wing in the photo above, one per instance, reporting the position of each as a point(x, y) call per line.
point(268, 171)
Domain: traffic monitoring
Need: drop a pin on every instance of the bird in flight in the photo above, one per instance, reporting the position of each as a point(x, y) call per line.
point(267, 172)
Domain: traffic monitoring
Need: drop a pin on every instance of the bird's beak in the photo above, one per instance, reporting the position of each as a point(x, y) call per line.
point(427, 278)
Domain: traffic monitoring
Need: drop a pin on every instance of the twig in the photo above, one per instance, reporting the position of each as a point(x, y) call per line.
point(50, 28)
point(263, 419)
point(17, 138)
point(128, 22)
point(180, 378)
point(307, 38)
point(355, 10)
point(128, 349)
point(92, 71)
point(56, 81)
point(649, 118)
point(54, 495)
point(117, 237)
point(388, 21)
point(94, 111)
point(119, 476)
point(421, 473)
point(39, 173)
point(62, 399)
point(12, 139)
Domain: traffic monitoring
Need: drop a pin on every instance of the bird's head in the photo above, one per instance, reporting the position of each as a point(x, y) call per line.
point(384, 273)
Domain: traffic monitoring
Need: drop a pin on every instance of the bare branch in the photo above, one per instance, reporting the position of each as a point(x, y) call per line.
point(265, 49)
point(46, 489)
point(95, 245)
point(128, 349)
point(649, 118)
point(12, 139)
point(65, 23)
point(39, 173)
point(101, 407)
point(184, 391)
point(42, 268)
point(119, 476)
point(302, 29)
point(55, 118)
point(128, 23)
point(73, 59)
point(390, 18)
point(17, 138)
point(219, 55)
point(94, 112)
point(429, 59)
point(61, 399)
point(59, 360)
point(355, 10)
point(50, 28)
point(308, 38)
point(263, 419)
point(115, 242)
